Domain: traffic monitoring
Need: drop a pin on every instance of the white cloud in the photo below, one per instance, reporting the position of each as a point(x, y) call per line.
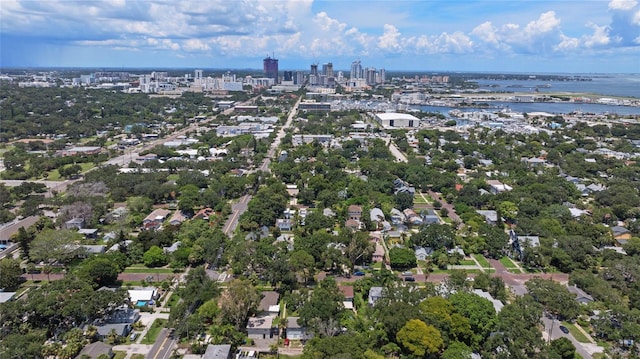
point(546, 23)
point(389, 41)
point(567, 43)
point(636, 18)
point(622, 4)
point(486, 32)
point(600, 36)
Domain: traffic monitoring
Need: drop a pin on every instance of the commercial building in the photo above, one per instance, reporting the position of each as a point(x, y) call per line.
point(397, 120)
point(270, 67)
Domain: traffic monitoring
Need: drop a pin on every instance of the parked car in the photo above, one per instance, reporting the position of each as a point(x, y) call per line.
point(564, 329)
point(409, 279)
point(407, 273)
point(358, 273)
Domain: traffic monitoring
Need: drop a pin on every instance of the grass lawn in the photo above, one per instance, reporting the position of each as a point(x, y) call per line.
point(484, 263)
point(55, 175)
point(467, 262)
point(153, 332)
point(506, 261)
point(576, 333)
point(119, 354)
point(418, 199)
point(173, 300)
point(148, 270)
point(377, 265)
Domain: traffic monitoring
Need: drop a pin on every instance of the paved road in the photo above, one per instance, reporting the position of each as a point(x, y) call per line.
point(237, 209)
point(451, 210)
point(552, 328)
point(281, 133)
point(163, 348)
point(400, 157)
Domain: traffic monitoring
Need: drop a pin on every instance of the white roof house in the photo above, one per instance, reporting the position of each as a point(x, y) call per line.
point(142, 294)
point(397, 120)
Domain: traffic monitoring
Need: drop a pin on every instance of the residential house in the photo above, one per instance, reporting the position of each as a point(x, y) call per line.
point(93, 249)
point(621, 233)
point(6, 296)
point(581, 296)
point(376, 215)
point(423, 252)
point(520, 244)
point(375, 293)
point(284, 224)
point(497, 305)
point(347, 292)
point(378, 254)
point(534, 162)
point(296, 331)
point(121, 329)
point(77, 223)
point(261, 327)
point(220, 351)
point(412, 217)
point(456, 250)
point(143, 296)
point(496, 187)
point(177, 218)
point(89, 233)
point(490, 216)
point(397, 217)
point(269, 303)
point(354, 212)
point(174, 247)
point(96, 350)
point(352, 224)
point(155, 219)
point(204, 213)
point(327, 212)
point(429, 216)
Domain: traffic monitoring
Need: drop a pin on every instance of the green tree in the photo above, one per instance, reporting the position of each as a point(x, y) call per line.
point(154, 257)
point(303, 263)
point(555, 298)
point(420, 339)
point(56, 245)
point(435, 236)
point(457, 350)
point(402, 258)
point(320, 312)
point(10, 273)
point(239, 300)
point(100, 271)
point(403, 200)
point(563, 348)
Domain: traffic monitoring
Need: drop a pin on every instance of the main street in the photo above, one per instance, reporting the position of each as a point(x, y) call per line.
point(163, 347)
point(238, 208)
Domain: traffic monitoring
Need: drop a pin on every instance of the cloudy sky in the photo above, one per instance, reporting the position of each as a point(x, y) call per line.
point(436, 35)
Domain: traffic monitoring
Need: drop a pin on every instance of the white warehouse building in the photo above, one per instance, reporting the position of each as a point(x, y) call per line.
point(397, 120)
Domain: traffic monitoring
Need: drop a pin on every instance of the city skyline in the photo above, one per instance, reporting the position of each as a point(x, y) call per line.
point(516, 36)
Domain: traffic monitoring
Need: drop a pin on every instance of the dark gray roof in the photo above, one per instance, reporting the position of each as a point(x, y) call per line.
point(221, 351)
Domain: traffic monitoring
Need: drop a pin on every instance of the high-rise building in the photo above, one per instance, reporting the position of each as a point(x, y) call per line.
point(288, 76)
point(314, 69)
point(356, 70)
point(371, 75)
point(383, 75)
point(327, 69)
point(270, 67)
point(197, 74)
point(299, 78)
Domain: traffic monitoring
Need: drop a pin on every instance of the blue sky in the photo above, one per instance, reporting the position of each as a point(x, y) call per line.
point(437, 35)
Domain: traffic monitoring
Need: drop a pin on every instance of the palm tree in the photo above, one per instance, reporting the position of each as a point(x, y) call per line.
point(91, 333)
